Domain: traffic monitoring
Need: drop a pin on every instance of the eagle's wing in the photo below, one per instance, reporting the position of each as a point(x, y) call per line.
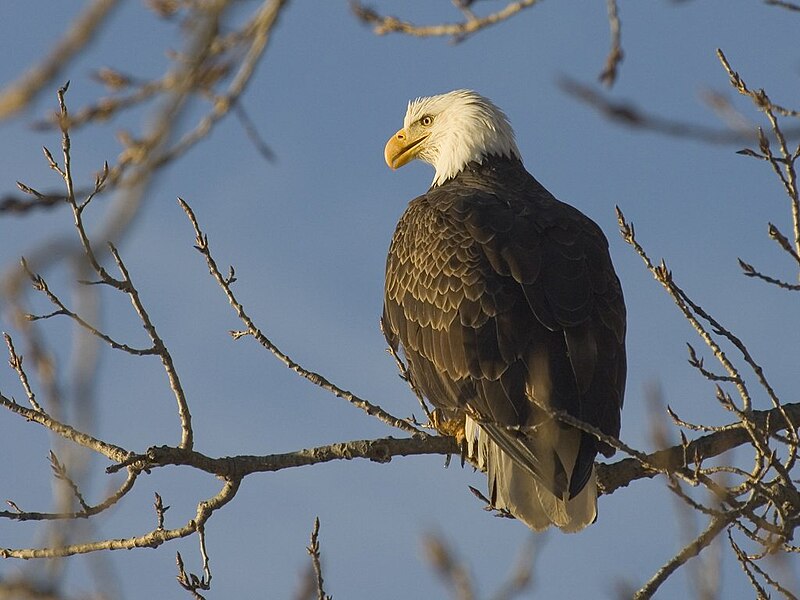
point(501, 306)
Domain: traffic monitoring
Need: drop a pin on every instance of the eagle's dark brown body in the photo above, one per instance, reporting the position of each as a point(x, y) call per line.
point(501, 298)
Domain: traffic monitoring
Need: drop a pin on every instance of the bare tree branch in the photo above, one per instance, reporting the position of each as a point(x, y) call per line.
point(783, 4)
point(382, 25)
point(88, 511)
point(377, 450)
point(715, 527)
point(615, 55)
point(315, 378)
point(110, 451)
point(152, 539)
point(783, 168)
point(629, 115)
point(19, 94)
point(313, 551)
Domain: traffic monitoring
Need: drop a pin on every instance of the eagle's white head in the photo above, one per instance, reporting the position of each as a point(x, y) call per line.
point(450, 131)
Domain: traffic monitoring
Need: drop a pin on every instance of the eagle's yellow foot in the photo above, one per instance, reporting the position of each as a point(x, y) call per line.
point(453, 427)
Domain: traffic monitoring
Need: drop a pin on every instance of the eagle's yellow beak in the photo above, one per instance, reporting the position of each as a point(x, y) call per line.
point(402, 148)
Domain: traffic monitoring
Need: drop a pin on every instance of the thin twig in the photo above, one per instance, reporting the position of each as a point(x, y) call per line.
point(382, 25)
point(715, 527)
point(313, 551)
point(750, 271)
point(201, 243)
point(124, 285)
point(114, 453)
point(687, 307)
point(789, 179)
point(40, 285)
point(160, 511)
point(252, 132)
point(746, 564)
point(60, 472)
point(405, 375)
point(629, 115)
point(153, 539)
point(15, 361)
point(12, 205)
point(187, 434)
point(189, 581)
point(609, 74)
point(783, 4)
point(89, 511)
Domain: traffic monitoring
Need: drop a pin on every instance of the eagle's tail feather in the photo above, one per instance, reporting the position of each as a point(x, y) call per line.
point(515, 489)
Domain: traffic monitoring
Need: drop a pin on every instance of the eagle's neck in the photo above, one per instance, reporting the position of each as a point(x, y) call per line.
point(492, 168)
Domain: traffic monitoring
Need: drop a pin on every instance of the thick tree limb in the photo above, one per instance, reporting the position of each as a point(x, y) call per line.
point(610, 476)
point(377, 450)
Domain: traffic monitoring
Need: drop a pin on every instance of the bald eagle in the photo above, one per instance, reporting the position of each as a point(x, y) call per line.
point(506, 306)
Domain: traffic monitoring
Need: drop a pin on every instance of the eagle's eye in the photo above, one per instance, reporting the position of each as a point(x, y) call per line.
point(426, 121)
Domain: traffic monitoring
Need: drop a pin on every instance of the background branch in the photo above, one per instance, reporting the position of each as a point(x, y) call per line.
point(20, 93)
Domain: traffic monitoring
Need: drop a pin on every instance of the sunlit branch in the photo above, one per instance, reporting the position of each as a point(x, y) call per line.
point(382, 25)
point(125, 284)
point(110, 451)
point(313, 551)
point(621, 473)
point(23, 515)
point(784, 168)
point(153, 539)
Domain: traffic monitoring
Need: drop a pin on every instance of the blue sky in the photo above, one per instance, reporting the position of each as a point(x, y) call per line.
point(308, 236)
